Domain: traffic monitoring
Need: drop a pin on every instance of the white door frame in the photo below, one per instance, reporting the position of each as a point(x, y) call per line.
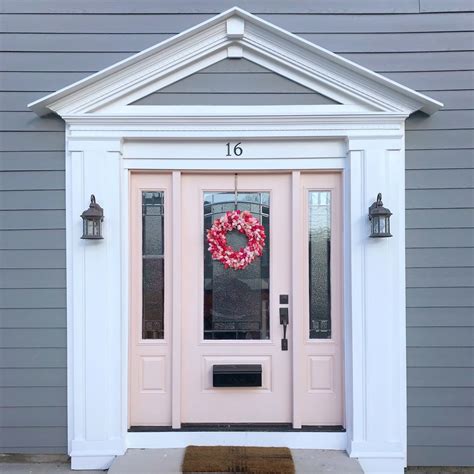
point(370, 153)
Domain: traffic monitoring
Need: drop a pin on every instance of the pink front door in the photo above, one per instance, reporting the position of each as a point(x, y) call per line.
point(231, 321)
point(231, 317)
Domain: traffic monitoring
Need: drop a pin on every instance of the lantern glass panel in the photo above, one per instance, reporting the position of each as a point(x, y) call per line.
point(96, 228)
point(90, 227)
point(382, 225)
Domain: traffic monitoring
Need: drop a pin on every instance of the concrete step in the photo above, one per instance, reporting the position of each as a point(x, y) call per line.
point(168, 461)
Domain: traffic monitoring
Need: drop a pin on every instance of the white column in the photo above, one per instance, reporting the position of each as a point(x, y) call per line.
point(375, 306)
point(94, 308)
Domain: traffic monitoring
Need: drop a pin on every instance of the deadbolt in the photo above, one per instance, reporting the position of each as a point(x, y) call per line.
point(283, 299)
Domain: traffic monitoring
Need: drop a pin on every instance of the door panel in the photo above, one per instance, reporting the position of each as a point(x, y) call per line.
point(150, 300)
point(322, 346)
point(247, 339)
point(232, 317)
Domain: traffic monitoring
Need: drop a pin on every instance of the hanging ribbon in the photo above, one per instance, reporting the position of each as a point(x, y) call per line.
point(235, 191)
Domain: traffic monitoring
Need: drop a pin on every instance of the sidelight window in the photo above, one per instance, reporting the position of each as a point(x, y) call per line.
point(153, 265)
point(319, 237)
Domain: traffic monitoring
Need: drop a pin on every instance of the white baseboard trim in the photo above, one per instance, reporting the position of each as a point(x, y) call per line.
point(301, 440)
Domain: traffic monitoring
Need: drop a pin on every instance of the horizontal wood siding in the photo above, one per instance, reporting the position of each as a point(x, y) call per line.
point(234, 81)
point(424, 44)
point(440, 270)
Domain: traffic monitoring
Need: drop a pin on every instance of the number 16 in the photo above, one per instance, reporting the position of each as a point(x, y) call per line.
point(236, 151)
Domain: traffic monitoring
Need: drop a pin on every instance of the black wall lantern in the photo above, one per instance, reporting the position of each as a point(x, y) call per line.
point(379, 217)
point(92, 221)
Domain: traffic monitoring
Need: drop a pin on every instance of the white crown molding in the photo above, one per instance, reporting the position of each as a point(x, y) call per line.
point(234, 33)
point(276, 123)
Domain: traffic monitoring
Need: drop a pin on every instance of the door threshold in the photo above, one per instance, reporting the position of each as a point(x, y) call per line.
point(265, 427)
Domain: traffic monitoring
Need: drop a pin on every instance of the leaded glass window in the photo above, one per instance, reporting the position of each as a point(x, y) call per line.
point(236, 302)
point(153, 265)
point(319, 237)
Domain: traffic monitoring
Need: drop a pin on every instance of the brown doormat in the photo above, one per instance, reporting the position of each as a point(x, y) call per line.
point(252, 460)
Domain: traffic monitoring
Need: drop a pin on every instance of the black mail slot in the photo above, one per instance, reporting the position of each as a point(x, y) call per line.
point(237, 375)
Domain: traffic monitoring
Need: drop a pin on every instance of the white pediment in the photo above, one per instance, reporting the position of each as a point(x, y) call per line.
point(118, 89)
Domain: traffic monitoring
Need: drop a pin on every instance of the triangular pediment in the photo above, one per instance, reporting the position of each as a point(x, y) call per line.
point(237, 37)
point(235, 82)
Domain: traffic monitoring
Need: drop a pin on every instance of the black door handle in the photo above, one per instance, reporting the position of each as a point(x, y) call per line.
point(284, 322)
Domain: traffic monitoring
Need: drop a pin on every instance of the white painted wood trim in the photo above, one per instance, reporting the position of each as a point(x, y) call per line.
point(250, 36)
point(176, 303)
point(294, 440)
point(359, 410)
point(378, 422)
point(125, 207)
point(296, 323)
point(69, 293)
point(236, 165)
point(94, 164)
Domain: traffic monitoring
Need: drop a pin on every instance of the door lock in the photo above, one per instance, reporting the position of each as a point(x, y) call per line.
point(283, 299)
point(284, 323)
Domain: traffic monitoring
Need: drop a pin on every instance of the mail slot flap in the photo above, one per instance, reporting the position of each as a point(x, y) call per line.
point(238, 369)
point(237, 375)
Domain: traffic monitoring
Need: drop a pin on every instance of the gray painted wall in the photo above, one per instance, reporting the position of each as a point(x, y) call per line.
point(425, 44)
point(234, 82)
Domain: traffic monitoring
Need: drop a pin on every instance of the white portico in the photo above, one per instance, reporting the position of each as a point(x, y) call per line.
point(359, 140)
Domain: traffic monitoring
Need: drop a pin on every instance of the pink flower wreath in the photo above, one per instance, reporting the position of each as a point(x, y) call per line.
point(246, 224)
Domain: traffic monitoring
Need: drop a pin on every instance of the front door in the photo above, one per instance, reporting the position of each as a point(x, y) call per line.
point(231, 317)
point(209, 343)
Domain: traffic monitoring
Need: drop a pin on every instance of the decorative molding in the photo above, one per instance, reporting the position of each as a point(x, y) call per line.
point(318, 121)
point(235, 27)
point(235, 51)
point(212, 41)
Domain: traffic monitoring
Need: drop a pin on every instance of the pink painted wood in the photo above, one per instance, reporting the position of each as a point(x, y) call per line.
point(149, 359)
point(303, 385)
point(201, 403)
point(321, 390)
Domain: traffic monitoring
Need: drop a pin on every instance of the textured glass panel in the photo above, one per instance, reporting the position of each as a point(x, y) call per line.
point(236, 302)
point(153, 265)
point(153, 298)
point(152, 214)
point(319, 264)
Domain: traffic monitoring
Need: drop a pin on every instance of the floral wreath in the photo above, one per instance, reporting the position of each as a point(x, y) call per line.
point(246, 224)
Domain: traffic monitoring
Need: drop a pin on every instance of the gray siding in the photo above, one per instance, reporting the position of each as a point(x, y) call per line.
point(425, 44)
point(234, 82)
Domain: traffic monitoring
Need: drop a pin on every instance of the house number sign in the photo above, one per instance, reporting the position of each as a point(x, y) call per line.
point(235, 150)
